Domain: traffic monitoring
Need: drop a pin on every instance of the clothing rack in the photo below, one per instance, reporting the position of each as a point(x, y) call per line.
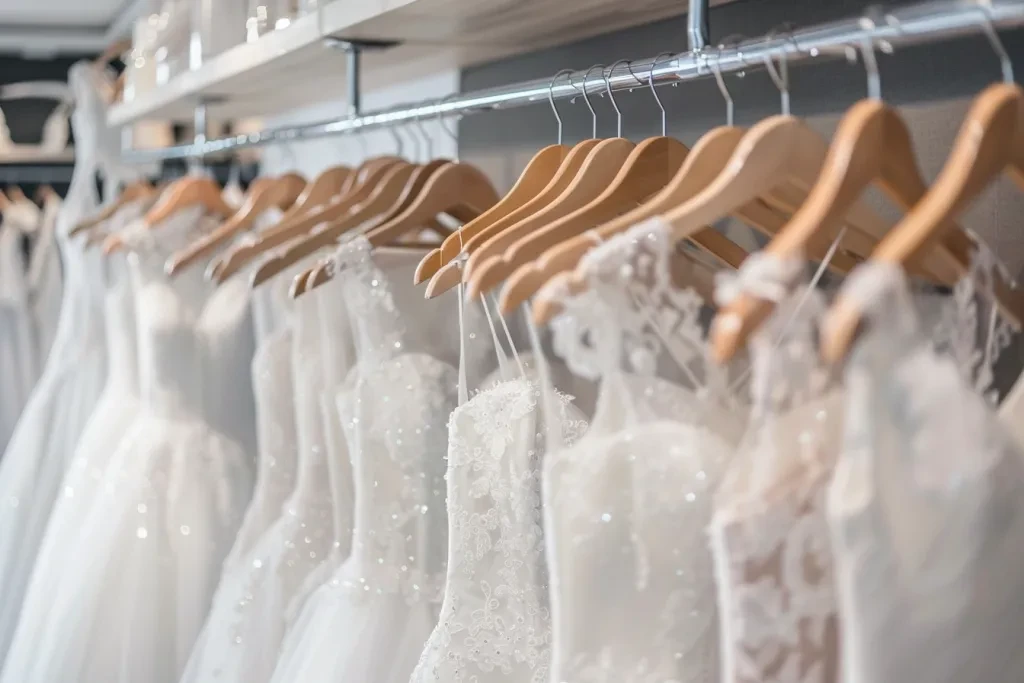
point(905, 26)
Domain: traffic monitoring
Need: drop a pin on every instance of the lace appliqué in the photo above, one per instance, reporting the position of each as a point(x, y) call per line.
point(971, 330)
point(495, 623)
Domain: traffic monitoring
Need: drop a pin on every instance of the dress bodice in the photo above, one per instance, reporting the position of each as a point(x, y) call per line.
point(187, 335)
point(393, 410)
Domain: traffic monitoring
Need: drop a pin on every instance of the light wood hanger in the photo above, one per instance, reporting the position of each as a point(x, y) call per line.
point(453, 272)
point(537, 175)
point(132, 192)
point(458, 189)
point(241, 255)
point(16, 193)
point(185, 193)
point(383, 197)
point(329, 183)
point(274, 193)
point(534, 178)
point(990, 142)
point(322, 272)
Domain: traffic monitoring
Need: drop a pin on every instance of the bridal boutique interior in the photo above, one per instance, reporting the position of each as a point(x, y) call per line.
point(539, 343)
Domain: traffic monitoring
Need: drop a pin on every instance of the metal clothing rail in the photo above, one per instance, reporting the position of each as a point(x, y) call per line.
point(908, 25)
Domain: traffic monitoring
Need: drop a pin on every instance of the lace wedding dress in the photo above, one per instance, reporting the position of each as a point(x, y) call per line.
point(925, 508)
point(150, 552)
point(627, 505)
point(372, 618)
point(769, 534)
point(495, 622)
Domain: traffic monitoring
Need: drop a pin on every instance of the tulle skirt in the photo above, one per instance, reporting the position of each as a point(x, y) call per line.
point(146, 564)
point(18, 366)
point(33, 467)
point(341, 636)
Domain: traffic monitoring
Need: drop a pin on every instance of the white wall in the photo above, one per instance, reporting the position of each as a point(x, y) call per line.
point(312, 156)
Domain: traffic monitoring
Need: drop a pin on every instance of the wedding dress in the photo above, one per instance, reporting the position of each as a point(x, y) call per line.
point(369, 622)
point(247, 621)
point(45, 279)
point(769, 533)
point(495, 622)
point(17, 341)
point(43, 442)
point(925, 509)
point(626, 506)
point(150, 552)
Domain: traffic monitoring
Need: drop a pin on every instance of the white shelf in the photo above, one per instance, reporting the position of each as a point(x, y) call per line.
point(291, 67)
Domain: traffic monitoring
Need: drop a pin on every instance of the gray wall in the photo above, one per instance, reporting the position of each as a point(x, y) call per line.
point(933, 86)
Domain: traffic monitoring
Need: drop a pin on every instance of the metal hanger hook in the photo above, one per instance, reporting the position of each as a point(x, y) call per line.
point(985, 8)
point(730, 108)
point(586, 98)
point(551, 99)
point(440, 120)
point(654, 92)
point(615, 105)
point(399, 145)
point(425, 136)
point(781, 76)
point(867, 51)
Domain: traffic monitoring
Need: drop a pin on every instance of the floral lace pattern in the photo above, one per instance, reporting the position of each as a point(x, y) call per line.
point(626, 507)
point(769, 533)
point(495, 623)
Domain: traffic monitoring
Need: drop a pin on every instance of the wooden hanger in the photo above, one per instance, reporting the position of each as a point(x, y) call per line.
point(241, 255)
point(132, 192)
point(534, 178)
point(458, 189)
point(321, 273)
point(329, 183)
point(383, 197)
point(871, 146)
point(990, 142)
point(16, 193)
point(453, 272)
point(274, 193)
point(185, 193)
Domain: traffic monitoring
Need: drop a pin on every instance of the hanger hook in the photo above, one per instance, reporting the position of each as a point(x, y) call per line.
point(586, 98)
point(426, 136)
point(440, 122)
point(730, 107)
point(654, 92)
point(615, 105)
point(780, 77)
point(867, 50)
point(399, 146)
point(551, 99)
point(993, 37)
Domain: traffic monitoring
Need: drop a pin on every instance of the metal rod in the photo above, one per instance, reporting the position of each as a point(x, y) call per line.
point(355, 105)
point(908, 25)
point(697, 25)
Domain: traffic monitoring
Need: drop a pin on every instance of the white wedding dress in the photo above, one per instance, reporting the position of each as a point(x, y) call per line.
point(18, 352)
point(33, 465)
point(926, 510)
point(45, 279)
point(626, 506)
point(369, 622)
point(248, 618)
point(769, 533)
point(149, 556)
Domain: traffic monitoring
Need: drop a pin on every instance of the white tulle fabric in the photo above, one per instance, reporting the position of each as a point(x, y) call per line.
point(18, 350)
point(371, 620)
point(45, 279)
point(150, 552)
point(626, 507)
point(42, 444)
point(925, 508)
point(249, 616)
point(769, 533)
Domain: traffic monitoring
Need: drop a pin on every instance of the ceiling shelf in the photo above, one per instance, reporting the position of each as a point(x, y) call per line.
point(292, 66)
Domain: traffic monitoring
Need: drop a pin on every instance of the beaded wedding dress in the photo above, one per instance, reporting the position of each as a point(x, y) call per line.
point(369, 622)
point(925, 508)
point(149, 555)
point(248, 619)
point(627, 505)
